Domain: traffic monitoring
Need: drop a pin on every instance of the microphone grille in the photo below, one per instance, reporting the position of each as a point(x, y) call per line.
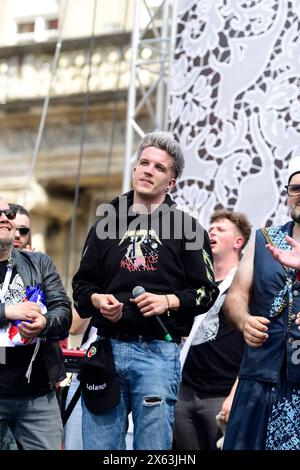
point(138, 290)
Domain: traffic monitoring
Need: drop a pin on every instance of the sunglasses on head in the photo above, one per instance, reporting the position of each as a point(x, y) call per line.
point(23, 230)
point(9, 213)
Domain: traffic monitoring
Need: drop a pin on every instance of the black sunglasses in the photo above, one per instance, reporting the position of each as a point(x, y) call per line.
point(9, 213)
point(23, 230)
point(293, 190)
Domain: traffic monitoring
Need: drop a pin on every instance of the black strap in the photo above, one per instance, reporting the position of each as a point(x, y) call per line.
point(71, 405)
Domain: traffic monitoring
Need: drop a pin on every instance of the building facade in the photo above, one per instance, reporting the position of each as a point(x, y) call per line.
point(83, 138)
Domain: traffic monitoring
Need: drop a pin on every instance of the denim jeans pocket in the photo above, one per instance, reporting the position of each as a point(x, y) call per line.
point(162, 349)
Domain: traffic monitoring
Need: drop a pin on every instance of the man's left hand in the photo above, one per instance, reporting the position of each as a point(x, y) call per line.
point(151, 304)
point(34, 328)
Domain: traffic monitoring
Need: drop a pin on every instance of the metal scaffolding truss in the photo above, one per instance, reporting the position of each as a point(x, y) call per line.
point(152, 54)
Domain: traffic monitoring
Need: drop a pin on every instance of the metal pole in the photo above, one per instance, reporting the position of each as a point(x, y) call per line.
point(45, 106)
point(131, 98)
point(172, 44)
point(161, 88)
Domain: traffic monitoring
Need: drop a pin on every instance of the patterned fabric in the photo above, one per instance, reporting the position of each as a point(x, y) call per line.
point(234, 105)
point(276, 237)
point(281, 299)
point(16, 293)
point(264, 417)
point(7, 441)
point(284, 422)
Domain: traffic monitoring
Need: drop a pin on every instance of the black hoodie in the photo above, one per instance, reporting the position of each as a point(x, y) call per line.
point(154, 251)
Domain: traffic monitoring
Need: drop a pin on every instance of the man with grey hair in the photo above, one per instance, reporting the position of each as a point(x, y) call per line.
point(143, 287)
point(31, 362)
point(165, 141)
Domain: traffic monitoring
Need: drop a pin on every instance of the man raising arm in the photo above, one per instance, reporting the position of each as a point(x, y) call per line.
point(254, 328)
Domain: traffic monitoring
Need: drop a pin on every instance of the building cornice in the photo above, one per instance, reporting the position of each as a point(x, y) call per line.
point(48, 47)
point(76, 99)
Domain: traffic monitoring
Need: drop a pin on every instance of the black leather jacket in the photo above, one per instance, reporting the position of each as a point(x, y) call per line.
point(38, 268)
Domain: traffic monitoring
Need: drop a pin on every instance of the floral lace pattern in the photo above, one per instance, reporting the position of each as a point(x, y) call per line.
point(235, 105)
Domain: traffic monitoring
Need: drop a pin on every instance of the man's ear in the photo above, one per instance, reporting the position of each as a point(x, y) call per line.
point(239, 241)
point(172, 183)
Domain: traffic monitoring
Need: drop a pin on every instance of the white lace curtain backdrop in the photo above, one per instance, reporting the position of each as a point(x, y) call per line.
point(235, 105)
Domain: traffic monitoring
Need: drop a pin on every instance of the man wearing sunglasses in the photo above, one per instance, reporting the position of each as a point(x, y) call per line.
point(22, 241)
point(28, 375)
point(263, 302)
point(23, 224)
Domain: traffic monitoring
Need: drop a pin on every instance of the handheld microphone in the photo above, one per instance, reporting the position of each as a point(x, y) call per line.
point(139, 290)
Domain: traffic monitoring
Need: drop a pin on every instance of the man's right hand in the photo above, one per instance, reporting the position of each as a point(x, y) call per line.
point(290, 258)
point(108, 305)
point(255, 330)
point(21, 311)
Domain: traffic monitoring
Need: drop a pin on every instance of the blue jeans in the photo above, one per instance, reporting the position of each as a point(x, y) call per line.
point(35, 422)
point(72, 429)
point(149, 374)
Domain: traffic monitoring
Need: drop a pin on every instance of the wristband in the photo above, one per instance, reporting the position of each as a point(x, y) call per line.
point(169, 308)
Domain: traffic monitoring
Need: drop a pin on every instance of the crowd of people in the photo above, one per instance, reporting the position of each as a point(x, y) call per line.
point(184, 334)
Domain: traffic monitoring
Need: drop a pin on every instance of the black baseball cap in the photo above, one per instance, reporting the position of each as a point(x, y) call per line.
point(100, 385)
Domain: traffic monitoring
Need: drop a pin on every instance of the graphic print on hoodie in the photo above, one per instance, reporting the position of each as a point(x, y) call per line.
point(142, 251)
